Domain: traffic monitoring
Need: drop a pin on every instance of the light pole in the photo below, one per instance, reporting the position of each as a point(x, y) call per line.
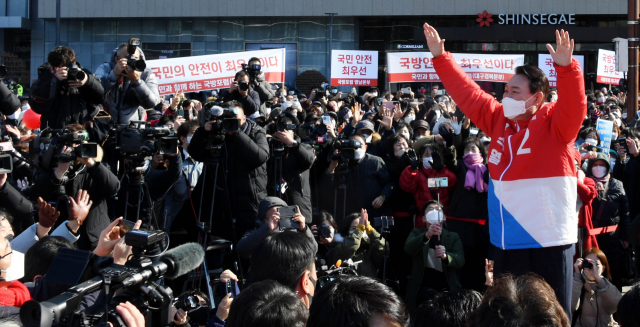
point(632, 75)
point(331, 14)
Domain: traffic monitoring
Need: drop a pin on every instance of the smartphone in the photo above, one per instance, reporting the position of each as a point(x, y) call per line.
point(326, 120)
point(230, 287)
point(474, 131)
point(389, 104)
point(438, 182)
point(380, 100)
point(125, 226)
point(441, 92)
point(285, 222)
point(180, 113)
point(622, 142)
point(406, 90)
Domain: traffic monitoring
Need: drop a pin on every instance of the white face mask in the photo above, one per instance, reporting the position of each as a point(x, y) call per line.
point(618, 121)
point(612, 162)
point(599, 171)
point(14, 115)
point(614, 136)
point(513, 108)
point(189, 139)
point(25, 107)
point(601, 100)
point(409, 119)
point(419, 137)
point(399, 153)
point(485, 139)
point(367, 138)
point(374, 94)
point(406, 136)
point(435, 217)
point(554, 98)
point(425, 162)
point(360, 153)
point(593, 142)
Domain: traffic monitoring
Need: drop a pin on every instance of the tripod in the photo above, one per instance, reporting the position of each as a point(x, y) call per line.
point(134, 171)
point(277, 153)
point(341, 174)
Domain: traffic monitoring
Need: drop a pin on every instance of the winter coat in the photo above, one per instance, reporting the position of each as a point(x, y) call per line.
point(250, 102)
point(417, 182)
point(9, 101)
point(29, 237)
point(251, 239)
point(59, 104)
point(599, 300)
point(400, 201)
point(295, 171)
point(19, 207)
point(416, 247)
point(467, 203)
point(127, 101)
point(244, 157)
point(355, 247)
point(628, 172)
point(99, 183)
point(517, 153)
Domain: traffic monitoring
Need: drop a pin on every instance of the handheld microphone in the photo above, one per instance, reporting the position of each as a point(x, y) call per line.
point(176, 262)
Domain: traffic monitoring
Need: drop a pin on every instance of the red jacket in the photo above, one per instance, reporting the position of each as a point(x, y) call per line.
point(587, 192)
point(532, 189)
point(15, 295)
point(416, 182)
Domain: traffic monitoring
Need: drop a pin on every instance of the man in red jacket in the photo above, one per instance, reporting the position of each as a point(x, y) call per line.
point(532, 197)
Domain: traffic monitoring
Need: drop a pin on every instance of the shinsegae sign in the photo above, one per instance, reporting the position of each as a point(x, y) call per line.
point(486, 19)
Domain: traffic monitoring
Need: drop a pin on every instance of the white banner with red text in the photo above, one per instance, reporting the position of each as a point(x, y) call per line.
point(545, 62)
point(418, 66)
point(354, 68)
point(210, 72)
point(607, 73)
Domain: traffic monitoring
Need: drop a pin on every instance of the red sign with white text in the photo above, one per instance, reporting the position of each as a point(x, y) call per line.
point(199, 73)
point(418, 66)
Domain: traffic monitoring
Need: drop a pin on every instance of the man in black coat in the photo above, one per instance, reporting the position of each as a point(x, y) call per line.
point(249, 99)
point(241, 177)
point(67, 179)
point(295, 161)
point(65, 93)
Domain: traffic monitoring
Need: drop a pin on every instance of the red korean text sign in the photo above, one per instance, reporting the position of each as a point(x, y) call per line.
point(354, 68)
point(545, 63)
point(418, 66)
point(199, 73)
point(607, 73)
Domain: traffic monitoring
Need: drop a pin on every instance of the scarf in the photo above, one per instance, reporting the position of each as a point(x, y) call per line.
point(475, 172)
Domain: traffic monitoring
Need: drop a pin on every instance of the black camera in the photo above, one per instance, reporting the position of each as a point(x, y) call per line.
point(51, 142)
point(243, 85)
point(135, 64)
point(346, 149)
point(325, 231)
point(586, 264)
point(75, 73)
point(313, 132)
point(252, 70)
point(223, 118)
point(139, 139)
point(282, 125)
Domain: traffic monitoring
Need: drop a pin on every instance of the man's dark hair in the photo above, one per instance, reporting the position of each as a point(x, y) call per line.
point(242, 74)
point(526, 301)
point(447, 309)
point(254, 59)
point(359, 136)
point(75, 128)
point(40, 256)
point(283, 257)
point(345, 224)
point(166, 119)
point(267, 303)
point(233, 104)
point(186, 128)
point(538, 81)
point(628, 313)
point(61, 56)
point(591, 98)
point(353, 301)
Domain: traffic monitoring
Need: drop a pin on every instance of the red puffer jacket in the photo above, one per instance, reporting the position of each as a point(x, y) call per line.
point(417, 182)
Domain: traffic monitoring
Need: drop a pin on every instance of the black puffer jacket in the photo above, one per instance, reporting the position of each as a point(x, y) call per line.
point(466, 203)
point(628, 172)
point(59, 104)
point(400, 200)
point(98, 181)
point(244, 157)
point(19, 207)
point(9, 101)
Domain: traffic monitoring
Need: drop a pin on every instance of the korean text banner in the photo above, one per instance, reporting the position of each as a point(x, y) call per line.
point(545, 62)
point(607, 73)
point(198, 73)
point(354, 68)
point(418, 66)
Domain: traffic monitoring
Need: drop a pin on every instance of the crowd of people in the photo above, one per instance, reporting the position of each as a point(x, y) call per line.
point(447, 206)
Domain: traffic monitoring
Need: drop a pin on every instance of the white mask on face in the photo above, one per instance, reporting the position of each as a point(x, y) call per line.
point(513, 108)
point(360, 153)
point(485, 139)
point(600, 100)
point(593, 142)
point(367, 138)
point(25, 107)
point(417, 137)
point(434, 217)
point(614, 136)
point(425, 162)
point(374, 94)
point(406, 136)
point(554, 98)
point(189, 139)
point(618, 121)
point(399, 153)
point(599, 171)
point(409, 119)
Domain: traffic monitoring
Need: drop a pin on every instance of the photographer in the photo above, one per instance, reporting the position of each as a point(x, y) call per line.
point(268, 223)
point(240, 91)
point(129, 91)
point(68, 178)
point(65, 92)
point(593, 297)
point(243, 176)
point(9, 102)
point(367, 181)
point(257, 81)
point(361, 243)
point(293, 159)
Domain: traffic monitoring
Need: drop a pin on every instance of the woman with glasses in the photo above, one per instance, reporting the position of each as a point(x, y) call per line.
point(12, 292)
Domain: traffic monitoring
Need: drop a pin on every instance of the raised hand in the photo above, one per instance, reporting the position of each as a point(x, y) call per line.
point(386, 121)
point(563, 54)
point(436, 45)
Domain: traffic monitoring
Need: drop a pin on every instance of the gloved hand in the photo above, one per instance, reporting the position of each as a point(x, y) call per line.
point(447, 134)
point(411, 154)
point(449, 153)
point(436, 162)
point(47, 214)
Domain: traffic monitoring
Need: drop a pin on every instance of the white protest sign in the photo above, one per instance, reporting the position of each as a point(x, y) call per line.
point(545, 62)
point(198, 73)
point(354, 68)
point(607, 73)
point(418, 66)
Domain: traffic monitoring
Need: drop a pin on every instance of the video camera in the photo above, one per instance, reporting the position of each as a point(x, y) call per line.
point(328, 274)
point(313, 132)
point(51, 143)
point(346, 149)
point(135, 64)
point(252, 70)
point(224, 118)
point(137, 282)
point(140, 140)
